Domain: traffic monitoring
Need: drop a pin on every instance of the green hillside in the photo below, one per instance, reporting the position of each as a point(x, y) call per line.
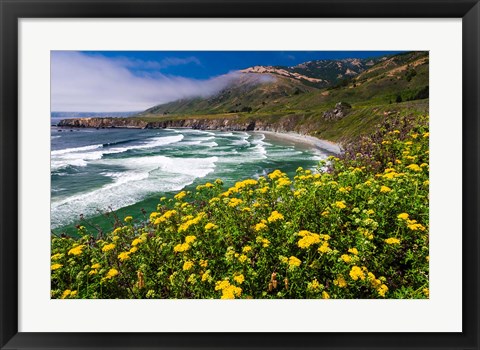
point(391, 85)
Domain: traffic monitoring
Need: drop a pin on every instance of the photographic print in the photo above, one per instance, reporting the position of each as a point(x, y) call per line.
point(239, 174)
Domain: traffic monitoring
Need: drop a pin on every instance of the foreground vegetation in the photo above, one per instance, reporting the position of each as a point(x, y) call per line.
point(356, 228)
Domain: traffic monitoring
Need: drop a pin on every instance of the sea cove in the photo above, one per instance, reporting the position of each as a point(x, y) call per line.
point(130, 169)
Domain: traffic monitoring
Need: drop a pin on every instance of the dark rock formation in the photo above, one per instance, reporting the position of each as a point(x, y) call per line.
point(341, 110)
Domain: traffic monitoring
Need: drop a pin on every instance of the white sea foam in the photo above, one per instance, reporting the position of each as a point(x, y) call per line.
point(143, 176)
point(75, 150)
point(81, 156)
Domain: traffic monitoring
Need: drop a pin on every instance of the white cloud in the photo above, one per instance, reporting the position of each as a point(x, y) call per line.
point(83, 83)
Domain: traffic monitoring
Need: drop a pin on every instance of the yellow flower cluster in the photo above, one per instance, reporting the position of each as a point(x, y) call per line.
point(294, 261)
point(414, 226)
point(246, 183)
point(111, 273)
point(385, 189)
point(260, 226)
point(414, 167)
point(124, 256)
point(275, 216)
point(165, 217)
point(239, 278)
point(186, 225)
point(276, 175)
point(354, 251)
point(340, 281)
point(356, 273)
point(69, 294)
point(210, 226)
point(308, 239)
point(183, 247)
point(187, 265)
point(108, 247)
point(180, 195)
point(392, 240)
point(235, 202)
point(76, 250)
point(229, 291)
point(55, 267)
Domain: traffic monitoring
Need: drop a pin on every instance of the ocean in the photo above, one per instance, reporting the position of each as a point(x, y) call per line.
point(95, 171)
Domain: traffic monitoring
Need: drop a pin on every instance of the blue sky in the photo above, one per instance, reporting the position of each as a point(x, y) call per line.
point(107, 81)
point(207, 64)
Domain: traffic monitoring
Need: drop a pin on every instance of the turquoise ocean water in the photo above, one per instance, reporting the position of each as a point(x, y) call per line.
point(127, 170)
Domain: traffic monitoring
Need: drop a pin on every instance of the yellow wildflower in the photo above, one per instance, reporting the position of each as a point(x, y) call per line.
point(55, 267)
point(275, 175)
point(246, 249)
point(234, 202)
point(382, 290)
point(187, 265)
point(385, 189)
point(265, 243)
point(260, 226)
point(346, 258)
point(414, 167)
point(356, 273)
point(403, 216)
point(308, 239)
point(57, 256)
point(111, 273)
point(133, 249)
point(340, 204)
point(340, 281)
point(153, 216)
point(124, 256)
point(180, 195)
point(136, 242)
point(354, 251)
point(392, 240)
point(108, 247)
point(294, 262)
point(284, 182)
point(181, 247)
point(242, 258)
point(66, 293)
point(324, 248)
point(314, 285)
point(128, 219)
point(275, 216)
point(239, 279)
point(325, 295)
point(206, 276)
point(77, 250)
point(210, 226)
point(190, 239)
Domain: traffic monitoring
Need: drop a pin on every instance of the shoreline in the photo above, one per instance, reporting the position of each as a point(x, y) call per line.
point(324, 145)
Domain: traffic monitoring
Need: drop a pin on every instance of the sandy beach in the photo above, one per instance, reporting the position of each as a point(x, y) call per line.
point(325, 145)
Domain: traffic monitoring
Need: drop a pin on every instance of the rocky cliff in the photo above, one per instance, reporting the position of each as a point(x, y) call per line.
point(285, 124)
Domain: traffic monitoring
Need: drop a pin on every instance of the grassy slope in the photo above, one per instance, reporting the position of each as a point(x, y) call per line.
point(372, 94)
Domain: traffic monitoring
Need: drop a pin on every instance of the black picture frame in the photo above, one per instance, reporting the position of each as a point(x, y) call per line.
point(12, 11)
